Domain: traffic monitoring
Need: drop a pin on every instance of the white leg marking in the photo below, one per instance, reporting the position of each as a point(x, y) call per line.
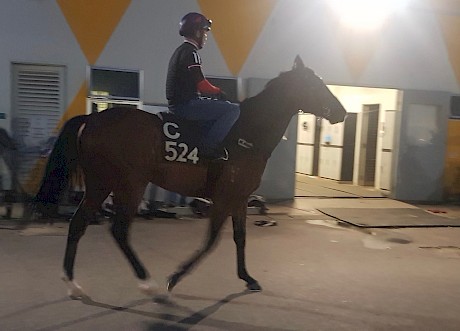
point(74, 290)
point(149, 287)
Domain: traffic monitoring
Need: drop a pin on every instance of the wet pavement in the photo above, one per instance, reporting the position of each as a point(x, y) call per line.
point(317, 273)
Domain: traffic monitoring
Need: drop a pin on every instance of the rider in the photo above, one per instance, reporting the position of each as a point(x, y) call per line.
point(186, 83)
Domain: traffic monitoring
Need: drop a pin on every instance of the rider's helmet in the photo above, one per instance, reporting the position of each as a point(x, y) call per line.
point(193, 22)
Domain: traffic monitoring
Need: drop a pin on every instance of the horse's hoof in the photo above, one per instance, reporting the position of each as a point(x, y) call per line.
point(74, 291)
point(172, 281)
point(149, 287)
point(254, 287)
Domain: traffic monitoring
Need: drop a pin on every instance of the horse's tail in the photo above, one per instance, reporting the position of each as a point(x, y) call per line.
point(62, 165)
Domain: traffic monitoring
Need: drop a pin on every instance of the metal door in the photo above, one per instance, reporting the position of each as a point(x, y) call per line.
point(368, 150)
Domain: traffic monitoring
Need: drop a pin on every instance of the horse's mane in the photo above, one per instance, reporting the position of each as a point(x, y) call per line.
point(272, 84)
point(262, 119)
point(247, 106)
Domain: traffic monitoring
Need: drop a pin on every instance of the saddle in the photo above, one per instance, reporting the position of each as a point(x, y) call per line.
point(183, 139)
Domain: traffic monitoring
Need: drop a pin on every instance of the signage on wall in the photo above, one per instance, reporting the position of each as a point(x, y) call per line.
point(305, 126)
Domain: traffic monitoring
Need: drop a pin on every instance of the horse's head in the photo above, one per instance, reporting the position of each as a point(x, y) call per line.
point(311, 95)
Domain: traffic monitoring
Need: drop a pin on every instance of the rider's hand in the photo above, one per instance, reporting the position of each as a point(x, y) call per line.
point(222, 96)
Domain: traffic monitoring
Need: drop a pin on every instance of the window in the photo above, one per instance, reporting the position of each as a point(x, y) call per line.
point(229, 85)
point(120, 84)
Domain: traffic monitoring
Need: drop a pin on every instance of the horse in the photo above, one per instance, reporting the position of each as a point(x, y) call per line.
point(121, 150)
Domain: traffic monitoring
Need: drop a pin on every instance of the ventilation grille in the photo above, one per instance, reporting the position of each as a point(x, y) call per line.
point(37, 108)
point(38, 91)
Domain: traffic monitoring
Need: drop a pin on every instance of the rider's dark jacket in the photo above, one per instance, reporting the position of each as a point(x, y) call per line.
point(184, 73)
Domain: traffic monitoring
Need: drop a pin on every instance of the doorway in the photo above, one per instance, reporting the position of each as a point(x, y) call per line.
point(365, 150)
point(368, 147)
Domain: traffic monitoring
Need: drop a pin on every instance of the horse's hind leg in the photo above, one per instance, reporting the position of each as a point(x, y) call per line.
point(86, 211)
point(219, 213)
point(77, 228)
point(239, 236)
point(126, 202)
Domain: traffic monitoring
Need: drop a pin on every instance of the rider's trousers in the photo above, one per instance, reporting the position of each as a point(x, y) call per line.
point(221, 114)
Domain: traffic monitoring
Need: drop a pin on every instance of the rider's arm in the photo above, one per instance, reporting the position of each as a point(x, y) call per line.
point(202, 84)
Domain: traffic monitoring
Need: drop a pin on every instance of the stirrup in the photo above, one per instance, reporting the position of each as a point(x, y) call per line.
point(225, 156)
point(220, 154)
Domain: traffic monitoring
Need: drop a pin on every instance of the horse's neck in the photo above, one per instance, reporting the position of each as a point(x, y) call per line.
point(264, 119)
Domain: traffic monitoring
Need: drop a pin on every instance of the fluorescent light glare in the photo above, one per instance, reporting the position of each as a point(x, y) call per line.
point(366, 14)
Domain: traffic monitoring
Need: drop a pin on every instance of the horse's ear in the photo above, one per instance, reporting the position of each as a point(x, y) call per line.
point(298, 63)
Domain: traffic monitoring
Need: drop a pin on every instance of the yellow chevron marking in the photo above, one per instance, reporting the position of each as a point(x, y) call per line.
point(452, 160)
point(236, 26)
point(76, 107)
point(450, 26)
point(92, 22)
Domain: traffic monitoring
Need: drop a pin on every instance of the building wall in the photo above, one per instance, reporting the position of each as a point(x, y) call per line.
point(259, 38)
point(417, 49)
point(421, 146)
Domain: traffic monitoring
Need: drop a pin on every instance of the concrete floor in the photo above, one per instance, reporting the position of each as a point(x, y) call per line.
point(316, 275)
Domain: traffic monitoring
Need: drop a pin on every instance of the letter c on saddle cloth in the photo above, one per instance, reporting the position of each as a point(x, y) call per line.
point(168, 132)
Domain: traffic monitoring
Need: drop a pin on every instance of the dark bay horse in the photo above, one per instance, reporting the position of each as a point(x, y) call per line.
point(120, 150)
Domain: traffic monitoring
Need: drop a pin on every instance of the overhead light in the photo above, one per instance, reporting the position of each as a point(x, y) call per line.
point(366, 14)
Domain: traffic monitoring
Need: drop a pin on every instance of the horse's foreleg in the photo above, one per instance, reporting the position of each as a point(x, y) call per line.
point(239, 236)
point(120, 231)
point(77, 229)
point(217, 218)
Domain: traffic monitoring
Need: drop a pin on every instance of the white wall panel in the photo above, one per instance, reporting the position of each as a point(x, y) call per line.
point(386, 171)
point(331, 134)
point(304, 159)
point(388, 130)
point(306, 128)
point(386, 152)
point(330, 162)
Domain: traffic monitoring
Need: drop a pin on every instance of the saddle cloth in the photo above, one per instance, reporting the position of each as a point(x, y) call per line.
point(184, 139)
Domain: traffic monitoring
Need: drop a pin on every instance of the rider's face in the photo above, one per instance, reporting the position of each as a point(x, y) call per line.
point(205, 36)
point(201, 36)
